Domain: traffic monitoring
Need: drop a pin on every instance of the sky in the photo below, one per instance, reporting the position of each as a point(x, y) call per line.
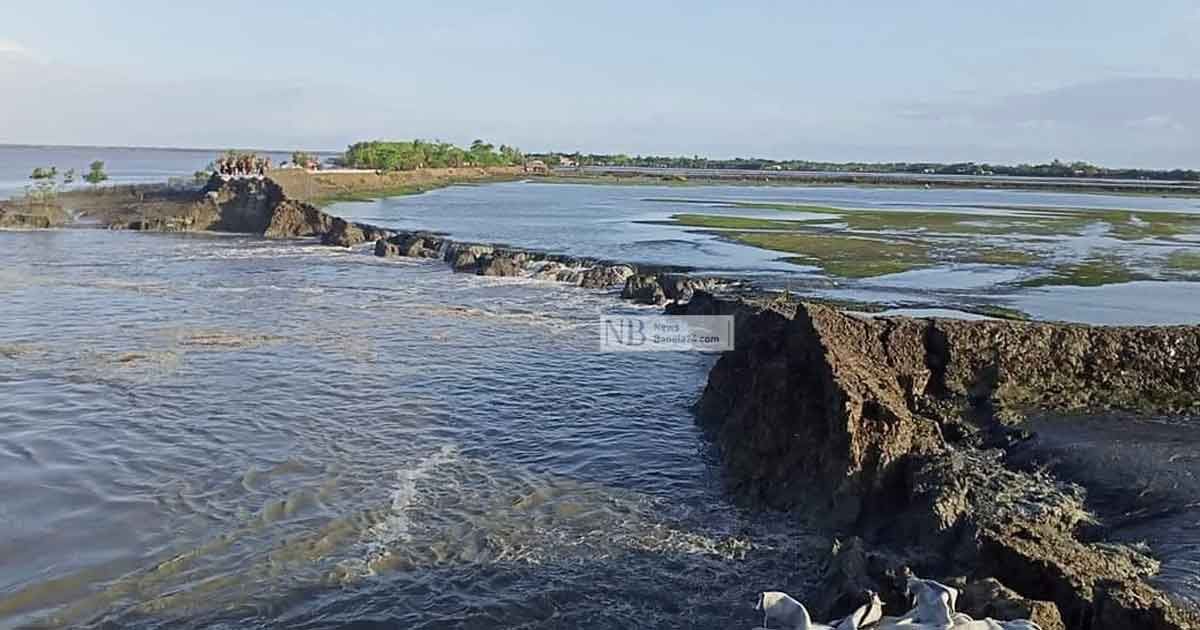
point(1114, 83)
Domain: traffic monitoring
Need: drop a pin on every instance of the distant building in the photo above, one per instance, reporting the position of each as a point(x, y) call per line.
point(566, 161)
point(537, 167)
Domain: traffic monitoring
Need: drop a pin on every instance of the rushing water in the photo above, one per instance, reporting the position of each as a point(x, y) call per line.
point(624, 223)
point(225, 430)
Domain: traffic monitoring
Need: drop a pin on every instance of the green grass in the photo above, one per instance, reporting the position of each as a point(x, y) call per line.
point(369, 195)
point(841, 255)
point(994, 255)
point(1184, 260)
point(372, 194)
point(997, 311)
point(1092, 272)
point(1028, 220)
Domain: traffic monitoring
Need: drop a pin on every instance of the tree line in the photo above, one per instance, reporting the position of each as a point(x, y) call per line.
point(1055, 168)
point(414, 154)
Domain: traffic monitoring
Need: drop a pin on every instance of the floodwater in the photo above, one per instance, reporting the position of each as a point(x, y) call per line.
point(624, 223)
point(220, 431)
point(225, 431)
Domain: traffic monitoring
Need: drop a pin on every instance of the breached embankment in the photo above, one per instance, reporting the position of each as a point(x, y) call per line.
point(895, 431)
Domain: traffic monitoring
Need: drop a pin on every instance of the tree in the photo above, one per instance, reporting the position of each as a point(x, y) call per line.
point(44, 172)
point(302, 158)
point(96, 173)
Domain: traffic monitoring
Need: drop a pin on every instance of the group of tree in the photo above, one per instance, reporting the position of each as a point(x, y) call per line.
point(413, 154)
point(303, 159)
point(1055, 168)
point(45, 186)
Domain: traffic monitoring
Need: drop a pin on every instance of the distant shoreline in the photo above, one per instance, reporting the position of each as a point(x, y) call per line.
point(683, 176)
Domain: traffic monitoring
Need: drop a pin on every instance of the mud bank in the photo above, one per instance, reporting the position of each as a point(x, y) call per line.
point(280, 205)
point(325, 186)
point(32, 216)
point(895, 433)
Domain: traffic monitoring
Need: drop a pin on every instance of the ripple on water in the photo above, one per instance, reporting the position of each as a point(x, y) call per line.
point(335, 435)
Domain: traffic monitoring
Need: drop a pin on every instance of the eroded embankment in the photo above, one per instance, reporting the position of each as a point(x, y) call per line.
point(896, 430)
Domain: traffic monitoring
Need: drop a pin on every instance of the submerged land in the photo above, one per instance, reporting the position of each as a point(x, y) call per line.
point(905, 434)
point(1123, 244)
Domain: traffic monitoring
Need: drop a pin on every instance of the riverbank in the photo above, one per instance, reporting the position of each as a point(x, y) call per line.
point(325, 187)
point(686, 176)
point(895, 416)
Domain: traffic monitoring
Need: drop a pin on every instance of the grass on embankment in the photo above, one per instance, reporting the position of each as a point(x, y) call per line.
point(322, 188)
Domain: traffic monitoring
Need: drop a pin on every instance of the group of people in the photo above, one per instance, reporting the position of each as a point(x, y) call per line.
point(242, 165)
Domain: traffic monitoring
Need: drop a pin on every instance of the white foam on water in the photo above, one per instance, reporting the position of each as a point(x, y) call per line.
point(396, 526)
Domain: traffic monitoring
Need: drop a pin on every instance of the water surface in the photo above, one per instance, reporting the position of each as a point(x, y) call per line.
point(227, 430)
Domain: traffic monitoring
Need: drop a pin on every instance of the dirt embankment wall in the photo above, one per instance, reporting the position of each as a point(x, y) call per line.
point(317, 186)
point(896, 430)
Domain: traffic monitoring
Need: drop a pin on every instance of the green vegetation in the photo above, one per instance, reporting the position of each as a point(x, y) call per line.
point(1055, 168)
point(95, 173)
point(333, 193)
point(414, 154)
point(983, 253)
point(841, 255)
point(304, 160)
point(855, 255)
point(997, 311)
point(1184, 260)
point(1034, 221)
point(43, 172)
point(1091, 272)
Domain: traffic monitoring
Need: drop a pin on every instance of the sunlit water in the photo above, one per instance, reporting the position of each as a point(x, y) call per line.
point(618, 223)
point(222, 430)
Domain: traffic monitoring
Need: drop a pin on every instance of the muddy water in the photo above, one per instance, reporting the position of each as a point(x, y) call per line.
point(1142, 476)
point(219, 430)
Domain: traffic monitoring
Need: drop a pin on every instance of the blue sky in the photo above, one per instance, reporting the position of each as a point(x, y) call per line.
point(1109, 82)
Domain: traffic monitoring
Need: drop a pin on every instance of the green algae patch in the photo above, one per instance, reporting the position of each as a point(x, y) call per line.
point(995, 255)
point(988, 219)
point(841, 255)
point(1122, 224)
point(1184, 260)
point(1092, 272)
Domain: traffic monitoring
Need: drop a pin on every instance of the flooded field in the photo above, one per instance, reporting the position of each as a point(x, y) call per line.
point(1073, 257)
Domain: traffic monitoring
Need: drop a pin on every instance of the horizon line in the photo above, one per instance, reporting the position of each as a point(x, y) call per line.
point(27, 145)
